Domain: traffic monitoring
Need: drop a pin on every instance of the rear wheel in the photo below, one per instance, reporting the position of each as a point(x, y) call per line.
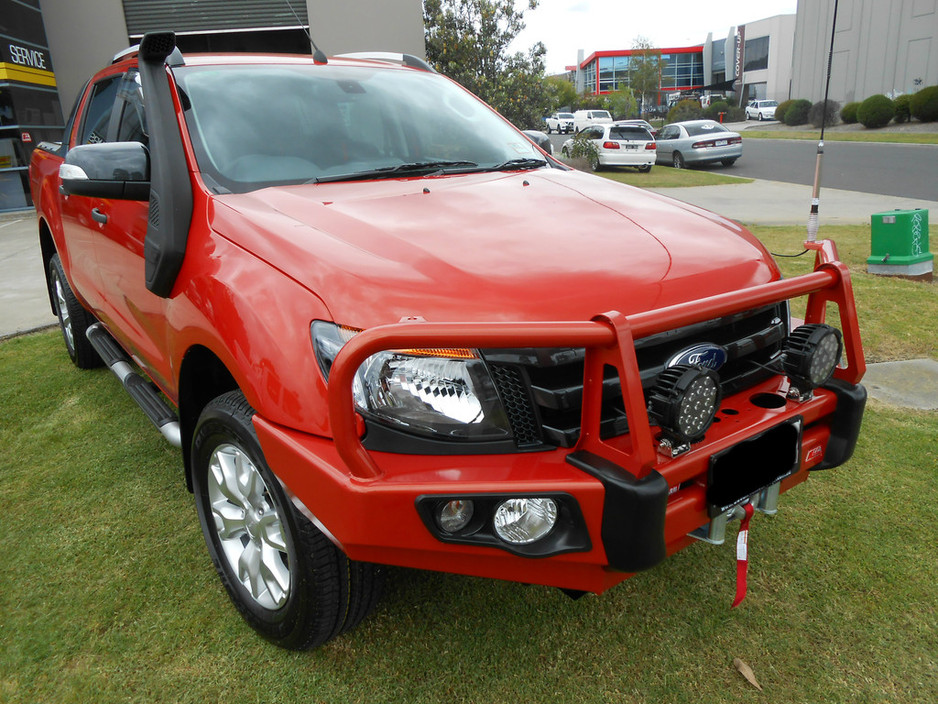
point(594, 162)
point(288, 581)
point(645, 169)
point(678, 161)
point(761, 118)
point(74, 320)
point(728, 162)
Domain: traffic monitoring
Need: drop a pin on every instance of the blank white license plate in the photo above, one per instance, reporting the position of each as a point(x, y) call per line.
point(631, 146)
point(721, 142)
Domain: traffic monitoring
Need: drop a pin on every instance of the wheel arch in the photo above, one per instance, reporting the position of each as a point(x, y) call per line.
point(47, 249)
point(202, 377)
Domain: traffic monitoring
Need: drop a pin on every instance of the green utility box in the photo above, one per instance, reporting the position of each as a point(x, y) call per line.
point(899, 245)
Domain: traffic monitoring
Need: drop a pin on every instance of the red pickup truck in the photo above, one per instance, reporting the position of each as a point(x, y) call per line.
point(386, 329)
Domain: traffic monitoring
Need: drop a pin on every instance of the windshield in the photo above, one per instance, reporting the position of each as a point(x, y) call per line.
point(704, 128)
point(263, 125)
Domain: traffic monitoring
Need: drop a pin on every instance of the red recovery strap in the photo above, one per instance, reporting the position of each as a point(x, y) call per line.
point(742, 556)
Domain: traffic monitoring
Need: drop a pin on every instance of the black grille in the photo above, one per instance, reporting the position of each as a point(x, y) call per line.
point(542, 389)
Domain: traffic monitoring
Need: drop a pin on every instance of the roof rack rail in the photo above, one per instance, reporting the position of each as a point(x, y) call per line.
point(391, 56)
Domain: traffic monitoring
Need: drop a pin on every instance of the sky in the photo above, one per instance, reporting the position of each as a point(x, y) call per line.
point(599, 25)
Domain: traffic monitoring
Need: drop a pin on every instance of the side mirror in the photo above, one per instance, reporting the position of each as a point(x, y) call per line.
point(118, 170)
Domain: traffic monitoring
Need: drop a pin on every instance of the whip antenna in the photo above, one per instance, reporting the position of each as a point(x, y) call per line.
point(318, 56)
point(816, 193)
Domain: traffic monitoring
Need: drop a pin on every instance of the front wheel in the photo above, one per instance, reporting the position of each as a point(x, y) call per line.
point(678, 161)
point(74, 320)
point(288, 581)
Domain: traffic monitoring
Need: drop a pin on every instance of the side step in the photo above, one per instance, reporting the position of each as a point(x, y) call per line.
point(142, 391)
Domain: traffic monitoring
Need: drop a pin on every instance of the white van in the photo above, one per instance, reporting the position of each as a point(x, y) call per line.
point(588, 118)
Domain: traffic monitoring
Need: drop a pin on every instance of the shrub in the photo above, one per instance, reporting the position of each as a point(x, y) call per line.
point(818, 115)
point(797, 112)
point(924, 104)
point(903, 108)
point(685, 110)
point(849, 113)
point(876, 111)
point(713, 112)
point(582, 148)
point(781, 109)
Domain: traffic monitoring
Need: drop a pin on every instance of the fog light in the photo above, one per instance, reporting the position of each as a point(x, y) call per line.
point(522, 521)
point(684, 401)
point(811, 354)
point(455, 515)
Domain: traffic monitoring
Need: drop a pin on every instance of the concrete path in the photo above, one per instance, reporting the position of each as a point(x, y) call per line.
point(24, 303)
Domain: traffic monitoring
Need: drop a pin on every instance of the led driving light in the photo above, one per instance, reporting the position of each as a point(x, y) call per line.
point(455, 515)
point(684, 401)
point(522, 521)
point(811, 354)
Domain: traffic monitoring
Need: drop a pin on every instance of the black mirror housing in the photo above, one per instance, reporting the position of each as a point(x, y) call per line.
point(119, 170)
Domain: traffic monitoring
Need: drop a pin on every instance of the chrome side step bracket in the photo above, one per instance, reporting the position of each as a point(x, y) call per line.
point(142, 391)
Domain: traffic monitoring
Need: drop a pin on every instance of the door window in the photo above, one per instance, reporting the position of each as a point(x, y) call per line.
point(97, 121)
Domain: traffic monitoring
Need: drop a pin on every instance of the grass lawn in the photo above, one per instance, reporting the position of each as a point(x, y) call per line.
point(107, 593)
point(834, 136)
point(667, 177)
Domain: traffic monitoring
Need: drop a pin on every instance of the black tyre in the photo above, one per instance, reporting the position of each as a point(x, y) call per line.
point(678, 161)
point(644, 169)
point(288, 581)
point(74, 320)
point(548, 129)
point(594, 162)
point(728, 162)
point(761, 118)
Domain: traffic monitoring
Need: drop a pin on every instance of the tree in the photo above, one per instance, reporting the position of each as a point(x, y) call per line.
point(645, 71)
point(468, 40)
point(562, 93)
point(622, 104)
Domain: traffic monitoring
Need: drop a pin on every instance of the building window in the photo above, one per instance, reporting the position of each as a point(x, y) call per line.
point(757, 54)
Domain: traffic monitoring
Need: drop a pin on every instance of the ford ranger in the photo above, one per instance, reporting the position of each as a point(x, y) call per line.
point(385, 328)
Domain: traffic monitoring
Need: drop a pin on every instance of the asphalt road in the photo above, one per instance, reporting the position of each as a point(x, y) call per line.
point(904, 170)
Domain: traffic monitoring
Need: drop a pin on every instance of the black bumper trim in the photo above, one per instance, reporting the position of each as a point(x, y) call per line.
point(633, 513)
point(845, 423)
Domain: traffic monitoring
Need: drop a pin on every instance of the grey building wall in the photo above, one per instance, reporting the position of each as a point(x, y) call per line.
point(880, 46)
point(84, 36)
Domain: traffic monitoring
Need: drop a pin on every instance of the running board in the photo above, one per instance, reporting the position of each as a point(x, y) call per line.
point(142, 391)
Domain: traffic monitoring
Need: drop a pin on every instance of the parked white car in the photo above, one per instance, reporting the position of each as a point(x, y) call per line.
point(761, 110)
point(587, 118)
point(560, 122)
point(618, 145)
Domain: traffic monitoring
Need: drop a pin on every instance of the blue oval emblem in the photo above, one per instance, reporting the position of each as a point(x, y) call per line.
point(706, 355)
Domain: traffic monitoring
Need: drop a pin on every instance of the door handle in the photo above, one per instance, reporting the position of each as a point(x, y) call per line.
point(98, 216)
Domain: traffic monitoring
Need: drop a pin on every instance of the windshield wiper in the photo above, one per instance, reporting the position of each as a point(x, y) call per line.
point(518, 165)
point(389, 171)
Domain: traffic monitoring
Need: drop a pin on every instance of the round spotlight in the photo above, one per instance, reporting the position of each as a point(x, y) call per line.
point(455, 515)
point(522, 521)
point(684, 401)
point(811, 354)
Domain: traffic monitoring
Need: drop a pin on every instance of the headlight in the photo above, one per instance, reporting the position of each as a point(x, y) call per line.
point(438, 392)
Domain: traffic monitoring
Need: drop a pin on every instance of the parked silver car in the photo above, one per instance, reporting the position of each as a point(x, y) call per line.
point(698, 142)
